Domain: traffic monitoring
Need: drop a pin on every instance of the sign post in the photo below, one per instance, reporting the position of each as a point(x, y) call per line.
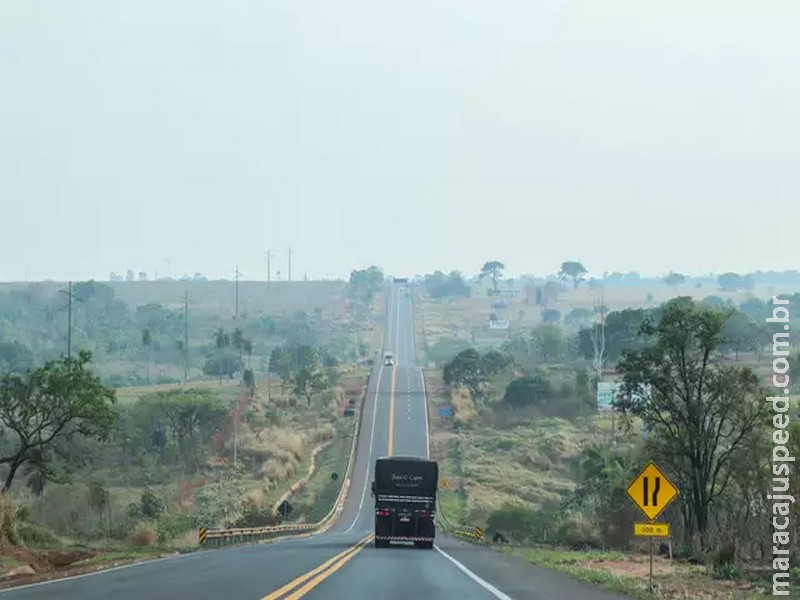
point(651, 491)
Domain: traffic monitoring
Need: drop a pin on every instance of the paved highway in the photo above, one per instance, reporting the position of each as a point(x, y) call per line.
point(342, 563)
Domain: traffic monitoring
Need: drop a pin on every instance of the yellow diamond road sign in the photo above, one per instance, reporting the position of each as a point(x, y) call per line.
point(651, 491)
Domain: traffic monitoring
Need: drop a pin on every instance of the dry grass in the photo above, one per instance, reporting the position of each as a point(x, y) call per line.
point(143, 535)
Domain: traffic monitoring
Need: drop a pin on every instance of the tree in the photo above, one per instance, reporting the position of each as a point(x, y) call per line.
point(730, 282)
point(147, 342)
point(494, 270)
point(549, 293)
point(60, 401)
point(248, 349)
point(99, 499)
point(622, 332)
point(528, 390)
point(452, 285)
point(674, 279)
point(551, 315)
point(699, 412)
point(222, 341)
point(573, 270)
point(577, 316)
point(15, 357)
point(237, 341)
point(471, 369)
point(548, 343)
point(309, 380)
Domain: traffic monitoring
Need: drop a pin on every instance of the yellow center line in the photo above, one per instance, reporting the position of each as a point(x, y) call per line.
point(390, 449)
point(293, 584)
point(333, 569)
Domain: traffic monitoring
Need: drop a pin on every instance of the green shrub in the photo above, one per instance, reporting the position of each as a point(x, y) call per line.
point(32, 534)
point(171, 525)
point(151, 505)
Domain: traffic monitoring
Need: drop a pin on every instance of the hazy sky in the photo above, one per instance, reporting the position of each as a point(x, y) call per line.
point(416, 135)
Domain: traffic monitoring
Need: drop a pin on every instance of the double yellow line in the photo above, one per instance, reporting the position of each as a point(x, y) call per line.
point(305, 583)
point(390, 449)
point(294, 590)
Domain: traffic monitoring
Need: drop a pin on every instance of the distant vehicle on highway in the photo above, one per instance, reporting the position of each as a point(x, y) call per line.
point(388, 360)
point(404, 489)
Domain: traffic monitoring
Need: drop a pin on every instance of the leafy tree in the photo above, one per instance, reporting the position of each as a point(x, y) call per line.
point(698, 411)
point(441, 285)
point(150, 505)
point(147, 342)
point(237, 341)
point(551, 315)
point(549, 293)
point(573, 270)
point(577, 316)
point(309, 380)
point(528, 390)
point(731, 282)
point(740, 333)
point(222, 341)
point(248, 349)
point(15, 357)
point(471, 369)
point(365, 283)
point(99, 499)
point(622, 332)
point(674, 279)
point(61, 400)
point(494, 270)
point(548, 343)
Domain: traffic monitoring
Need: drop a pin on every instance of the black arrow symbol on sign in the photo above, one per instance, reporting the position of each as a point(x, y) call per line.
point(655, 491)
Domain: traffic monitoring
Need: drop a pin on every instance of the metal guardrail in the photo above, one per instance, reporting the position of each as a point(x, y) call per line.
point(215, 538)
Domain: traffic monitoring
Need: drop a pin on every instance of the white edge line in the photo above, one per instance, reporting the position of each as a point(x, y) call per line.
point(481, 582)
point(369, 459)
point(101, 572)
point(141, 563)
point(425, 410)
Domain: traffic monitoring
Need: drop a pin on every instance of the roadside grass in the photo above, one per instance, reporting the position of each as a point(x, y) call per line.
point(628, 573)
point(316, 498)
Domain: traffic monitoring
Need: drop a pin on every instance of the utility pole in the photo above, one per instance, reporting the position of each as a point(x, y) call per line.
point(269, 269)
point(290, 265)
point(70, 297)
point(599, 346)
point(185, 336)
point(235, 433)
point(237, 292)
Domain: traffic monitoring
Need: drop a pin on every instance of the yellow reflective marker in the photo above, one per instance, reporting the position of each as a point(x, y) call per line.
point(651, 491)
point(651, 529)
point(445, 484)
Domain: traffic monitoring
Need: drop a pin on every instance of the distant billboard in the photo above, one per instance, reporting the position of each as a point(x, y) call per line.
point(499, 324)
point(606, 393)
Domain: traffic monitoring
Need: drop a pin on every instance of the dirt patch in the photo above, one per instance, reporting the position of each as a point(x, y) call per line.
point(629, 568)
point(58, 564)
point(43, 562)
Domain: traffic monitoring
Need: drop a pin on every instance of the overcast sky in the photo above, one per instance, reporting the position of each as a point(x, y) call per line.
point(414, 135)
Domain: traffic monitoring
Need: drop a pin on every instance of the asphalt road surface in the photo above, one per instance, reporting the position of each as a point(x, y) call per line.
point(342, 563)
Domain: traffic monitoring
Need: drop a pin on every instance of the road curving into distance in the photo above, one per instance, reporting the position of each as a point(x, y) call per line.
point(342, 562)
